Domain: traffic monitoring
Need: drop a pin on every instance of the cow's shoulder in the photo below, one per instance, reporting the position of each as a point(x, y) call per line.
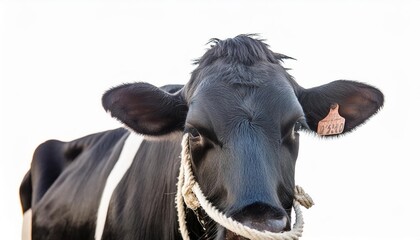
point(66, 174)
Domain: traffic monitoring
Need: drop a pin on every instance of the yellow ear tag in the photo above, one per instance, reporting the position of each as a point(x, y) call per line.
point(332, 124)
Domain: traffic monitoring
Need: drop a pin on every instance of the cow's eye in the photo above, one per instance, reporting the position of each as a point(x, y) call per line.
point(194, 134)
point(300, 125)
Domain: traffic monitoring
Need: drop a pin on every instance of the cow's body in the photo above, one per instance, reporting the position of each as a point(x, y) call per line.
point(65, 212)
point(242, 112)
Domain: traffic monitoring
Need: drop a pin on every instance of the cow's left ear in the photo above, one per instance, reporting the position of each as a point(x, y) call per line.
point(147, 109)
point(357, 102)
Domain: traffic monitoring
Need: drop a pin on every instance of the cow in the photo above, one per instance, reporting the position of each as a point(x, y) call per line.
point(242, 112)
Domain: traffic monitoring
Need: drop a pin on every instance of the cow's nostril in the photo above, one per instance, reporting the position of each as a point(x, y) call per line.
point(272, 225)
point(276, 225)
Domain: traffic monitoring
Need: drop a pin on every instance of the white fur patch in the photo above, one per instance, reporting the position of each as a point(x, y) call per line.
point(27, 225)
point(130, 148)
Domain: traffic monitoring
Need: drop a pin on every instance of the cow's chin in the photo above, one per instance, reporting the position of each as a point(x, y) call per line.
point(233, 236)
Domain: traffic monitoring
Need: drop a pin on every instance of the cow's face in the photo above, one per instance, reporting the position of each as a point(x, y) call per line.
point(243, 114)
point(244, 143)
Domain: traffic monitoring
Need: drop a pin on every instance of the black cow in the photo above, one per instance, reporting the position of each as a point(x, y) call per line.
point(243, 113)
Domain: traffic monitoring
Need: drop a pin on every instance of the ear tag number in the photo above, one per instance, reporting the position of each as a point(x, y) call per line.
point(332, 124)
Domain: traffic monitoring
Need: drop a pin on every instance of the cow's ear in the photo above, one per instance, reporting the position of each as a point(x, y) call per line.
point(357, 102)
point(147, 109)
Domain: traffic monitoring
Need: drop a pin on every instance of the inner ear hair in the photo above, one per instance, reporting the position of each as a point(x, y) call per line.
point(357, 102)
point(146, 109)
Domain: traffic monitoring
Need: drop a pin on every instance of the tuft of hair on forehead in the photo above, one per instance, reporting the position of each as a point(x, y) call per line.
point(246, 49)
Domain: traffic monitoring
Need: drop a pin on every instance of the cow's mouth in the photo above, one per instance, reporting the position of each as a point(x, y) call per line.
point(233, 236)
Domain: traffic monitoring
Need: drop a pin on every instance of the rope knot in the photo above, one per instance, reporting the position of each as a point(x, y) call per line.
point(303, 198)
point(189, 197)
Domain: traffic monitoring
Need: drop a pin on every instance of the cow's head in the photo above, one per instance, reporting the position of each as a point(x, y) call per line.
point(243, 113)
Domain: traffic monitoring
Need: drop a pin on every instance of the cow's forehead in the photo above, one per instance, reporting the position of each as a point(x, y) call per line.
point(224, 77)
point(221, 106)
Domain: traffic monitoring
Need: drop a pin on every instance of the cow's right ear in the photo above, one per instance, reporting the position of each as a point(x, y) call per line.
point(147, 109)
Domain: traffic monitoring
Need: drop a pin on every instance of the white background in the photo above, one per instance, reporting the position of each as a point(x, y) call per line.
point(58, 57)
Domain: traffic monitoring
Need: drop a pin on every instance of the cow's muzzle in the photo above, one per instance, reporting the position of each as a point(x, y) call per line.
point(261, 217)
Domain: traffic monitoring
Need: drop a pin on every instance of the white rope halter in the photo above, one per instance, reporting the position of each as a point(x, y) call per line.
point(190, 192)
